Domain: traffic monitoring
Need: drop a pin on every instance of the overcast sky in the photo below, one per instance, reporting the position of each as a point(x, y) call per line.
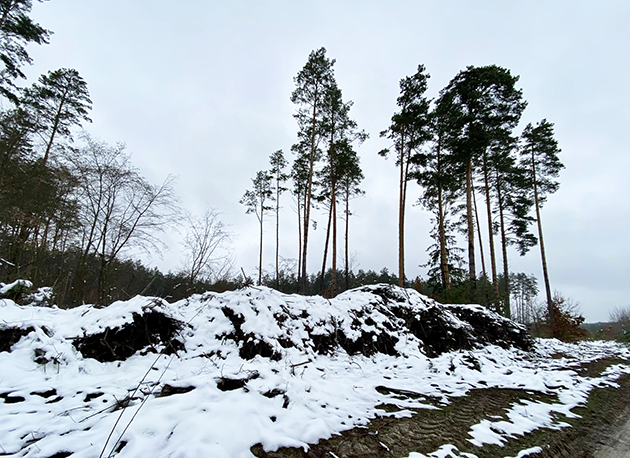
point(200, 90)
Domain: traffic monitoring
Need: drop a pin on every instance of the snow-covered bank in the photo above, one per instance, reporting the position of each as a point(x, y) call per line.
point(217, 373)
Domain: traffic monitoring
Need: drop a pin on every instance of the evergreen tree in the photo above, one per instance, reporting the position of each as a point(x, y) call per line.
point(524, 289)
point(349, 185)
point(441, 189)
point(341, 132)
point(299, 176)
point(16, 128)
point(480, 106)
point(278, 164)
point(17, 29)
point(59, 102)
point(32, 196)
point(409, 130)
point(257, 202)
point(539, 155)
point(512, 206)
point(311, 83)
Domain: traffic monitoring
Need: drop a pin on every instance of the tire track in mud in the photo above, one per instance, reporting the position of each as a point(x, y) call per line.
point(427, 430)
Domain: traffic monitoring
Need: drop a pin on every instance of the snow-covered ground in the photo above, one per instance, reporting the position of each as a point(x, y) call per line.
point(211, 393)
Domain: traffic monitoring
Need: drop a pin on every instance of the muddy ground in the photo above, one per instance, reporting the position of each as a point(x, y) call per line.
point(594, 434)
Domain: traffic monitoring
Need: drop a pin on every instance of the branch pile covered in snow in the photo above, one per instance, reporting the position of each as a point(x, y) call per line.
point(214, 374)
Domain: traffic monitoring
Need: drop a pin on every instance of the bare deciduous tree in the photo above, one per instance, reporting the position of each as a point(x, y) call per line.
point(206, 254)
point(120, 209)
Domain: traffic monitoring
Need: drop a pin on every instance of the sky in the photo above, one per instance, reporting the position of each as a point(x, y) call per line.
point(201, 91)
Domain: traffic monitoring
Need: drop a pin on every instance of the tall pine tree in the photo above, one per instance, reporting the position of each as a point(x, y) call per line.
point(59, 102)
point(481, 105)
point(312, 83)
point(17, 30)
point(409, 130)
point(539, 155)
point(341, 132)
point(257, 202)
point(279, 177)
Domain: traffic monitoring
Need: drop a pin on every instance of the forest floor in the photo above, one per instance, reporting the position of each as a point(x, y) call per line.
point(599, 429)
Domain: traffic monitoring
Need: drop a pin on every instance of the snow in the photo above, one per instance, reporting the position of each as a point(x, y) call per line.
point(17, 284)
point(66, 402)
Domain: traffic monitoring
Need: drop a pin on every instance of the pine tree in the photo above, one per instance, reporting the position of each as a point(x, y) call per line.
point(524, 290)
point(17, 29)
point(59, 102)
point(349, 185)
point(341, 132)
point(409, 130)
point(512, 206)
point(441, 189)
point(539, 154)
point(278, 164)
point(480, 106)
point(299, 176)
point(311, 83)
point(257, 202)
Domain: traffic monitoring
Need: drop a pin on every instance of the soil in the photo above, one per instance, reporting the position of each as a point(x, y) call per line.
point(601, 429)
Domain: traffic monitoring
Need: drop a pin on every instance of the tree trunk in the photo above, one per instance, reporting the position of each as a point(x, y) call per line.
point(299, 265)
point(323, 272)
point(307, 201)
point(260, 248)
point(542, 250)
point(55, 126)
point(481, 255)
point(493, 259)
point(346, 251)
point(277, 232)
point(506, 300)
point(333, 212)
point(446, 283)
point(401, 215)
point(471, 234)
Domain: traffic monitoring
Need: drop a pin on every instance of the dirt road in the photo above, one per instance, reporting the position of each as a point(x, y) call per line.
point(602, 429)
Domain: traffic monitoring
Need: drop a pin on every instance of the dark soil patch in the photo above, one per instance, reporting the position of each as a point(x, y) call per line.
point(229, 384)
point(151, 328)
point(367, 344)
point(427, 430)
point(91, 396)
point(11, 336)
point(607, 409)
point(62, 454)
point(278, 392)
point(252, 345)
point(45, 394)
point(8, 399)
point(439, 335)
point(249, 344)
point(169, 390)
point(504, 333)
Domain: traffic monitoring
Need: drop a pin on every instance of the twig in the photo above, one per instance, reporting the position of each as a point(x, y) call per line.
point(111, 433)
point(293, 366)
point(140, 407)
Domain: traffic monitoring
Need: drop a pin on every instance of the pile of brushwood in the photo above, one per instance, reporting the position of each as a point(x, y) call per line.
point(264, 322)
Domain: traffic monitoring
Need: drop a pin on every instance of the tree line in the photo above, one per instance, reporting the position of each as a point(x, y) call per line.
point(456, 147)
point(70, 211)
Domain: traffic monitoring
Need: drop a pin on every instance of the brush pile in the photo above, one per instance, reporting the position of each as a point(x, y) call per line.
point(148, 378)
